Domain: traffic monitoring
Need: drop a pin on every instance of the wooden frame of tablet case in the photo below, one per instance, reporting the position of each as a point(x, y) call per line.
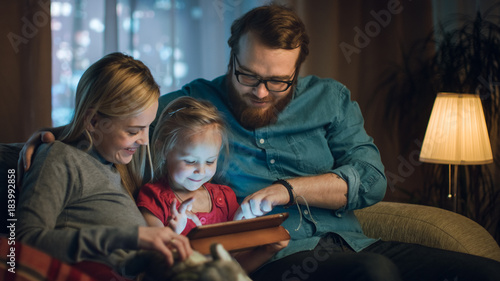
point(239, 235)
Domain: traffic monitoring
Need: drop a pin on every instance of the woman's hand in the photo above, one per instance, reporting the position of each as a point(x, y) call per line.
point(178, 218)
point(166, 241)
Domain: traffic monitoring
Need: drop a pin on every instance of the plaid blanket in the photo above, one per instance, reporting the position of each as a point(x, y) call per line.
point(19, 262)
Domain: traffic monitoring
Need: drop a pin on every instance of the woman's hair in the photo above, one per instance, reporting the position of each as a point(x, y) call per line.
point(276, 26)
point(182, 118)
point(116, 86)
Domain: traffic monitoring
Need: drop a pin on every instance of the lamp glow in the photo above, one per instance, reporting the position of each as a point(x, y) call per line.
point(456, 133)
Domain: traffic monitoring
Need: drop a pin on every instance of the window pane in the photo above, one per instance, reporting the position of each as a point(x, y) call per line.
point(77, 41)
point(179, 40)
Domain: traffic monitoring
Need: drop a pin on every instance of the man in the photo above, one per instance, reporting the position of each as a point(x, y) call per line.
point(298, 145)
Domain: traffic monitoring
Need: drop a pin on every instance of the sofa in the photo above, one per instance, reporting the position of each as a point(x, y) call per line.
point(425, 225)
point(428, 226)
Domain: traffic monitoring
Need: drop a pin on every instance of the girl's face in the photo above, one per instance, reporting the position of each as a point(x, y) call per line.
point(193, 161)
point(117, 139)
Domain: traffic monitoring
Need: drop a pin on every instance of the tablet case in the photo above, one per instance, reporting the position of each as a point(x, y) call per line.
point(239, 235)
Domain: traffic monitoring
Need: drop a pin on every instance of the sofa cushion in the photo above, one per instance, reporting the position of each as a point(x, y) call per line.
point(429, 226)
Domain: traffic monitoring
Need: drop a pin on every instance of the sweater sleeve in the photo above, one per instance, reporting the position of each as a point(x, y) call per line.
point(48, 188)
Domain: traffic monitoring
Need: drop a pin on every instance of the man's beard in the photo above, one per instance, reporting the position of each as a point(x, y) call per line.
point(250, 117)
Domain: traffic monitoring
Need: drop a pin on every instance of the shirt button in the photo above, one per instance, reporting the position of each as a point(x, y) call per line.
point(272, 161)
point(203, 220)
point(262, 141)
point(306, 212)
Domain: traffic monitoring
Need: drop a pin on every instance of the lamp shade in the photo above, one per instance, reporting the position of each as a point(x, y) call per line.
point(457, 133)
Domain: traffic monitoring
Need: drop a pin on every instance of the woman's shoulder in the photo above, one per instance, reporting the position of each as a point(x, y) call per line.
point(57, 150)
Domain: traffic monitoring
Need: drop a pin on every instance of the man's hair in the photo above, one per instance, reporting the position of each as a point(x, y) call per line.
point(276, 26)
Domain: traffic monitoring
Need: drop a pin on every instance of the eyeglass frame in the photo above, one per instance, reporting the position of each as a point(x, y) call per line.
point(259, 79)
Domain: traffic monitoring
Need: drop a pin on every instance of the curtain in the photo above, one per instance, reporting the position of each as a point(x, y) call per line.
point(25, 74)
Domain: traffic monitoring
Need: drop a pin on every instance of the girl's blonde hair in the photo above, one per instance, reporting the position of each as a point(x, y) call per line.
point(180, 119)
point(116, 86)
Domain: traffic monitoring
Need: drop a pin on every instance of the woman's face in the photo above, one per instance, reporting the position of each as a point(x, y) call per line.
point(193, 161)
point(117, 138)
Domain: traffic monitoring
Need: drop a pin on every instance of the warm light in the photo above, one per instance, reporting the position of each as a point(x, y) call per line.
point(457, 132)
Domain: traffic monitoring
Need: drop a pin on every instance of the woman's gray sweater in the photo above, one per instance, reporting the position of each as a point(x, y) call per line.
point(74, 207)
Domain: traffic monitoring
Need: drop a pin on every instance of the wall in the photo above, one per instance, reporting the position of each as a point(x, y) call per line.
point(355, 42)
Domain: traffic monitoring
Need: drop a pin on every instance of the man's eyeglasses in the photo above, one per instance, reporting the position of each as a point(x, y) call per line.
point(254, 80)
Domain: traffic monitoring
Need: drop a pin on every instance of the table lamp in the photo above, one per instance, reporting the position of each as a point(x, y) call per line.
point(456, 135)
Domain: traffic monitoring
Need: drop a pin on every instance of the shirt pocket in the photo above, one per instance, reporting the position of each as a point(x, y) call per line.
point(311, 152)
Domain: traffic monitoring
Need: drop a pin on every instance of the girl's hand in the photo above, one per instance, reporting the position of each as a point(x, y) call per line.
point(166, 241)
point(178, 218)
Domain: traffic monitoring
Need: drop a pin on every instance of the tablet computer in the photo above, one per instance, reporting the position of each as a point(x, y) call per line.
point(241, 234)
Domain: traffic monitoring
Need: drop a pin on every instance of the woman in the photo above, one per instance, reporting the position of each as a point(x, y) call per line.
point(76, 203)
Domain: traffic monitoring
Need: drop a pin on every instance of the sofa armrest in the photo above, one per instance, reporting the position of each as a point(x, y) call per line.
point(9, 153)
point(428, 226)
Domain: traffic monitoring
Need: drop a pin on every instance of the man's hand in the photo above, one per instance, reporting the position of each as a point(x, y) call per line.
point(262, 202)
point(30, 146)
point(166, 241)
point(26, 153)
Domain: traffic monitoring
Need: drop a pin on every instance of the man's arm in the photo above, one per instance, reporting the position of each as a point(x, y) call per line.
point(42, 136)
point(327, 191)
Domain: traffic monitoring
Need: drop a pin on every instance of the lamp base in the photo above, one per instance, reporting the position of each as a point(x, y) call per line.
point(455, 182)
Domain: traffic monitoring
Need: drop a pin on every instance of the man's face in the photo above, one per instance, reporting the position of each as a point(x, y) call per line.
point(256, 107)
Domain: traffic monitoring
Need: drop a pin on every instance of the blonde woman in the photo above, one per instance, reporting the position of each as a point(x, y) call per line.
point(76, 201)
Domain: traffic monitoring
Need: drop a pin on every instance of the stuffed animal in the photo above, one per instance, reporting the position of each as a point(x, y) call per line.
point(220, 267)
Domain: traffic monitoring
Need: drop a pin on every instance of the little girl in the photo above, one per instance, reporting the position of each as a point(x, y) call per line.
point(186, 143)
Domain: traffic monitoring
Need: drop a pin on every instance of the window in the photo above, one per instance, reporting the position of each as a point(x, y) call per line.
point(179, 40)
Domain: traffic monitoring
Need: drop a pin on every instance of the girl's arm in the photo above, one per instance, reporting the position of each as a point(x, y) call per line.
point(151, 219)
